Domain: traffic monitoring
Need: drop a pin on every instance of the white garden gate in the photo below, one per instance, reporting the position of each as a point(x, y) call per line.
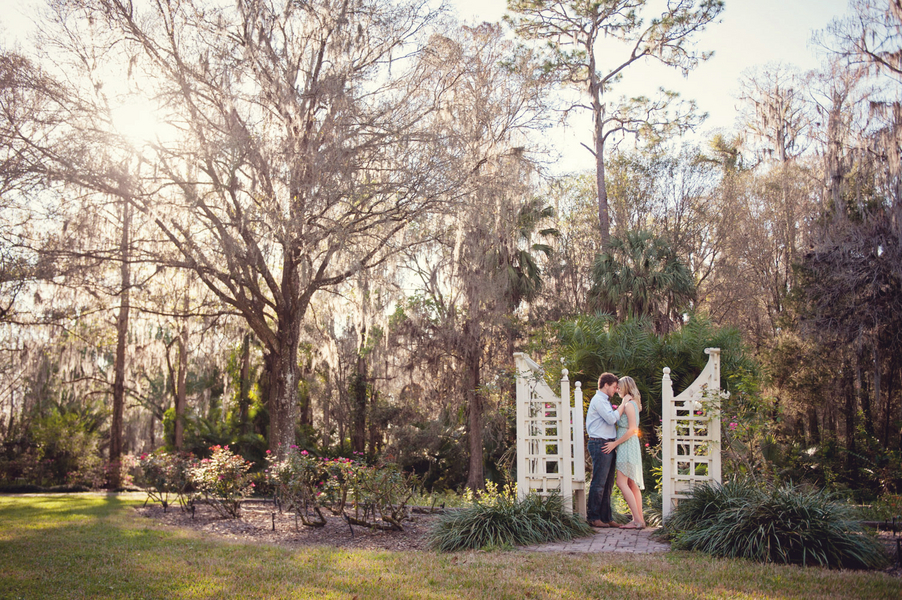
point(690, 433)
point(550, 442)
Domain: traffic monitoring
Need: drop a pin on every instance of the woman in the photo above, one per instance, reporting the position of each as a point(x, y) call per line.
point(629, 455)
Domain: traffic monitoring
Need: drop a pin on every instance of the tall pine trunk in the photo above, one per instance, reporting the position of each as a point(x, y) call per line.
point(121, 343)
point(475, 408)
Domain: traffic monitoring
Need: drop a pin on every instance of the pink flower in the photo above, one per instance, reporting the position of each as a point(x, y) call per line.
point(303, 453)
point(733, 426)
point(647, 444)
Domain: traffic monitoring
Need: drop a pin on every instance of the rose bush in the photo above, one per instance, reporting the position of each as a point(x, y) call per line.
point(223, 480)
point(309, 484)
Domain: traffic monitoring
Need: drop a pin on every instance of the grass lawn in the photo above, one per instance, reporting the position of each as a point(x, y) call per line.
point(94, 546)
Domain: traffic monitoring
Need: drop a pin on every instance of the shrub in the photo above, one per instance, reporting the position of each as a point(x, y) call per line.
point(223, 481)
point(308, 483)
point(165, 474)
point(885, 508)
point(780, 524)
point(507, 521)
point(298, 481)
point(381, 491)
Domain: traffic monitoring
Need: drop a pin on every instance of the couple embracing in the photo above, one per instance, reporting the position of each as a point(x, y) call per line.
point(614, 448)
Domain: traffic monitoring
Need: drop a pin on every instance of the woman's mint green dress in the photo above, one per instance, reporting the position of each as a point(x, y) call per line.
point(629, 454)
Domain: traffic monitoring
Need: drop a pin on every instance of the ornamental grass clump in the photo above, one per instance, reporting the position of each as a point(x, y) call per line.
point(506, 521)
point(776, 524)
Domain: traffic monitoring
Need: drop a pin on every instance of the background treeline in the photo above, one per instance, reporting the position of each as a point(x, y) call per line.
point(330, 224)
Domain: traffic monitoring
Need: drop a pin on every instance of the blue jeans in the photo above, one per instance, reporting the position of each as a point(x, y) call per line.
point(599, 501)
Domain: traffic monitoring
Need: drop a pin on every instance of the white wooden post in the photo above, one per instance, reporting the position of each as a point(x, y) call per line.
point(579, 450)
point(565, 445)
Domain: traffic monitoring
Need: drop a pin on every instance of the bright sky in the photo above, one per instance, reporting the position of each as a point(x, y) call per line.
point(751, 33)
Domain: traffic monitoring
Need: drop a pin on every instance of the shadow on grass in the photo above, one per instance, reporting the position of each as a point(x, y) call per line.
point(93, 546)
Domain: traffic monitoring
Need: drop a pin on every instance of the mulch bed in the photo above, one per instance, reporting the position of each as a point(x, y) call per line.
point(256, 526)
point(889, 540)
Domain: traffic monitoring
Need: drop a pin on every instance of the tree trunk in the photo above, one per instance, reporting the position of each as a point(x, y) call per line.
point(475, 475)
point(358, 434)
point(888, 411)
point(598, 110)
point(283, 361)
point(121, 342)
point(830, 421)
point(244, 394)
point(181, 386)
point(864, 398)
point(875, 405)
point(849, 414)
point(283, 388)
point(814, 434)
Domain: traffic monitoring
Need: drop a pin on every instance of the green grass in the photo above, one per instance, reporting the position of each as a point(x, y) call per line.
point(91, 546)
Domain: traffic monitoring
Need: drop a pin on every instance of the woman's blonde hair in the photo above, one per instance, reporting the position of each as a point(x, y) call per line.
point(628, 387)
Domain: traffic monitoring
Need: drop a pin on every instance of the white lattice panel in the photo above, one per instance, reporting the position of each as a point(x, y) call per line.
point(691, 433)
point(549, 435)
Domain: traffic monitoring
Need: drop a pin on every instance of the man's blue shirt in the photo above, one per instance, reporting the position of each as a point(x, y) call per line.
point(601, 419)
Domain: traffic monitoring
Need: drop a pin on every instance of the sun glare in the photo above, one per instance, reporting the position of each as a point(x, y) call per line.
point(139, 122)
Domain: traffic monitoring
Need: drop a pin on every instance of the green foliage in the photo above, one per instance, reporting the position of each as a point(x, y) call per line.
point(59, 448)
point(640, 275)
point(223, 481)
point(780, 524)
point(885, 508)
point(749, 423)
point(594, 344)
point(503, 521)
point(432, 449)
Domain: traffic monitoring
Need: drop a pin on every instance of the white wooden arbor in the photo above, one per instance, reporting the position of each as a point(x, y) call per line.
point(550, 442)
point(691, 433)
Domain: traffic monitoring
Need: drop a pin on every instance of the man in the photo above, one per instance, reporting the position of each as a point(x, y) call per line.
point(601, 419)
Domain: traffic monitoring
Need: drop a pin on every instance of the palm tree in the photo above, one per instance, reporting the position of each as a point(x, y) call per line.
point(640, 275)
point(516, 261)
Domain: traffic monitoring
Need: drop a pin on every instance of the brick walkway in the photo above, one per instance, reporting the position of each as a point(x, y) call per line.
point(637, 541)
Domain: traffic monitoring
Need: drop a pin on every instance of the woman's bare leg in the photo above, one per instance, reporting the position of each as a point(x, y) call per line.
point(623, 483)
point(638, 517)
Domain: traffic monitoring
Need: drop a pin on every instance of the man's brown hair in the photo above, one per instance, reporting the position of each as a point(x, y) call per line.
point(607, 379)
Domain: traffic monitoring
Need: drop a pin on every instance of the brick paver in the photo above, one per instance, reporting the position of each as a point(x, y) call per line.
point(637, 541)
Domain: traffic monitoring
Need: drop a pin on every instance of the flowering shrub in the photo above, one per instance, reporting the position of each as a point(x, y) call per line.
point(491, 495)
point(163, 475)
point(223, 481)
point(298, 482)
point(309, 484)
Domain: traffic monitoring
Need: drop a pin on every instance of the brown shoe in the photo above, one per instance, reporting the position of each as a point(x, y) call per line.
point(613, 524)
point(596, 523)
